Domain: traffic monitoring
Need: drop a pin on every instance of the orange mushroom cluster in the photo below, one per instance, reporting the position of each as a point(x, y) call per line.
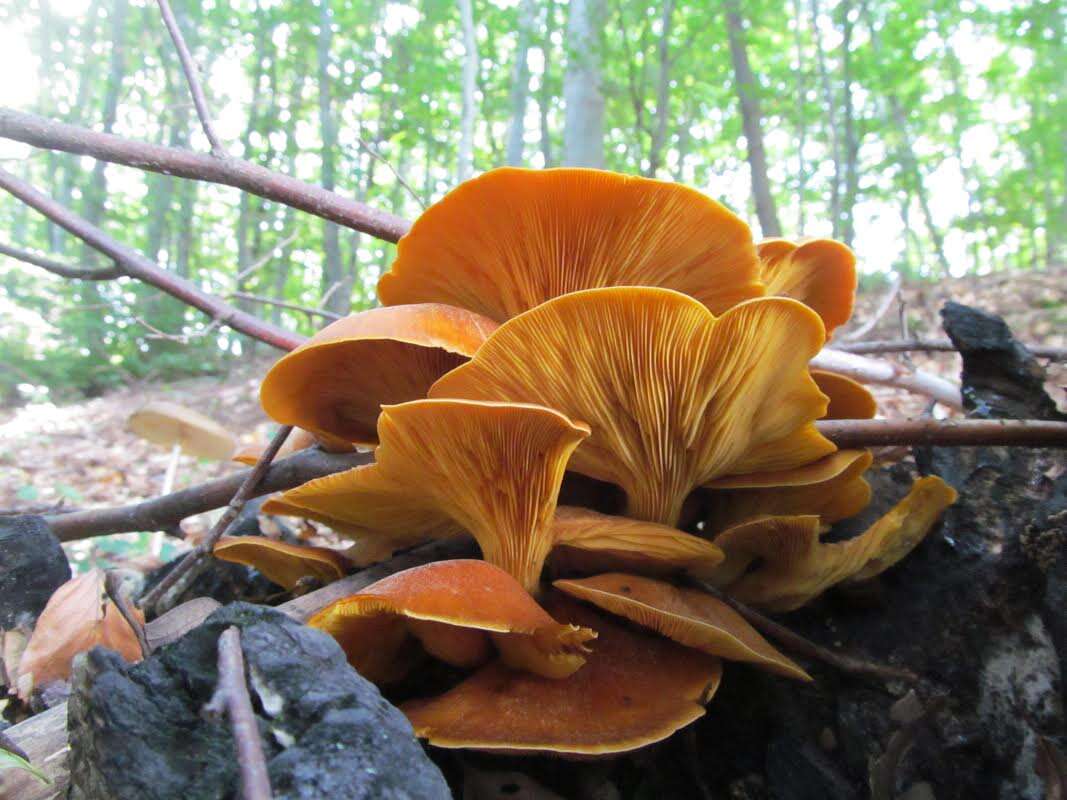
point(541, 325)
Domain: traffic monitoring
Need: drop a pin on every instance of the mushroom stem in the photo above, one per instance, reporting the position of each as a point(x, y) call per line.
point(172, 468)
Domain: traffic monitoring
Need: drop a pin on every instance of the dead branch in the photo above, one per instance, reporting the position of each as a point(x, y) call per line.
point(847, 433)
point(231, 697)
point(113, 587)
point(40, 132)
point(137, 266)
point(189, 68)
point(876, 317)
point(62, 270)
point(163, 513)
point(937, 346)
point(270, 301)
point(886, 373)
point(165, 593)
point(807, 648)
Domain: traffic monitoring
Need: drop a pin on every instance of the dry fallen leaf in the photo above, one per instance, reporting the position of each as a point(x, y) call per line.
point(78, 616)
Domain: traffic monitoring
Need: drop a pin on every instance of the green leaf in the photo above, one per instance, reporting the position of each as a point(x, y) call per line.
point(9, 760)
point(27, 492)
point(69, 492)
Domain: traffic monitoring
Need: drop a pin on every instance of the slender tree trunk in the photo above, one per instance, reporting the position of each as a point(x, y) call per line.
point(830, 104)
point(663, 88)
point(544, 94)
point(465, 166)
point(752, 121)
point(333, 270)
point(801, 122)
point(520, 83)
point(583, 127)
point(852, 147)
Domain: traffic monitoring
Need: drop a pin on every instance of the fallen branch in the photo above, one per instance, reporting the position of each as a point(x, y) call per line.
point(805, 647)
point(937, 346)
point(231, 697)
point(886, 373)
point(137, 266)
point(164, 513)
point(62, 270)
point(164, 594)
point(113, 587)
point(40, 132)
point(846, 433)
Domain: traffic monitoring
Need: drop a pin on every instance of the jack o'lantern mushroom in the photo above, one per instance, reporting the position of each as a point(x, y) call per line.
point(284, 564)
point(457, 610)
point(531, 235)
point(184, 430)
point(335, 383)
point(848, 399)
point(298, 440)
point(675, 396)
point(634, 689)
point(821, 273)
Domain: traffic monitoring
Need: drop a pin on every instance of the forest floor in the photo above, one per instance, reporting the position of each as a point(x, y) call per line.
point(81, 455)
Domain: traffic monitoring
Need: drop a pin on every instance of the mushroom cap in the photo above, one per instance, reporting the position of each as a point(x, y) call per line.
point(794, 566)
point(455, 598)
point(610, 542)
point(635, 689)
point(821, 273)
point(848, 399)
point(688, 616)
point(169, 424)
point(492, 469)
point(511, 239)
point(298, 440)
point(832, 487)
point(675, 396)
point(336, 382)
point(284, 564)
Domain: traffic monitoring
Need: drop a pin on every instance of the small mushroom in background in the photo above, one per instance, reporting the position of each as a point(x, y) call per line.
point(185, 430)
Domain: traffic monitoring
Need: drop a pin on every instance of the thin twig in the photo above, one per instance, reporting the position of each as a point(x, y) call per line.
point(62, 270)
point(883, 307)
point(163, 596)
point(805, 647)
point(399, 178)
point(189, 68)
point(879, 346)
point(944, 433)
point(231, 697)
point(113, 587)
point(137, 266)
point(325, 299)
point(40, 132)
point(269, 301)
point(181, 338)
point(263, 259)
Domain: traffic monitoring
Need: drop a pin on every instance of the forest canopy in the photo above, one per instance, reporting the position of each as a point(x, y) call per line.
point(925, 134)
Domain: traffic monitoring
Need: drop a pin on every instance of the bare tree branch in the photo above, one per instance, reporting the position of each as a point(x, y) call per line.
point(62, 270)
point(938, 346)
point(886, 373)
point(137, 266)
point(231, 696)
point(40, 132)
point(190, 70)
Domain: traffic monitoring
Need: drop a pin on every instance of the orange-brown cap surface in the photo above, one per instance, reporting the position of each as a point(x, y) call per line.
point(336, 382)
point(298, 440)
point(635, 689)
point(284, 564)
point(675, 397)
point(821, 273)
point(453, 608)
point(688, 616)
point(172, 424)
point(848, 399)
point(512, 238)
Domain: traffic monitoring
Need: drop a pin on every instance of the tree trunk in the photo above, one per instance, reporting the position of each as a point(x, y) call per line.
point(801, 122)
point(583, 127)
point(752, 121)
point(544, 94)
point(333, 270)
point(848, 227)
point(520, 83)
point(831, 121)
point(663, 88)
point(465, 165)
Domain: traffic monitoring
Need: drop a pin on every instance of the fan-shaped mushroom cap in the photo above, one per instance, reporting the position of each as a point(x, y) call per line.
point(848, 399)
point(688, 616)
point(284, 564)
point(455, 608)
point(635, 689)
point(675, 396)
point(492, 468)
point(298, 440)
point(832, 488)
point(169, 424)
point(511, 239)
point(795, 567)
point(821, 273)
point(619, 542)
point(336, 382)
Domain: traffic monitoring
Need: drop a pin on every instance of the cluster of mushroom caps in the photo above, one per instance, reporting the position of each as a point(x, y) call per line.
point(543, 328)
